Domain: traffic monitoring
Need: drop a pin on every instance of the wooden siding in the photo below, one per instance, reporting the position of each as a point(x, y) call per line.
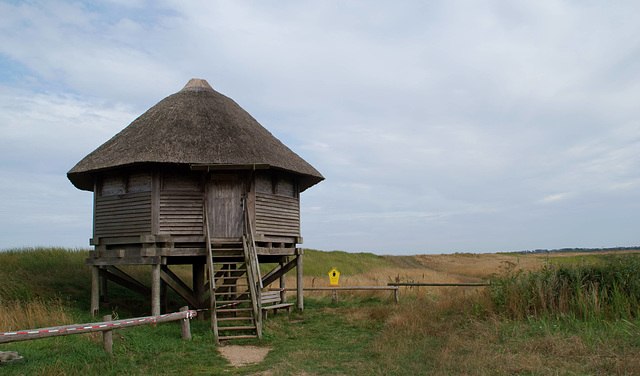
point(134, 182)
point(276, 215)
point(123, 215)
point(112, 186)
point(263, 183)
point(181, 213)
point(139, 182)
point(276, 184)
point(285, 187)
point(181, 181)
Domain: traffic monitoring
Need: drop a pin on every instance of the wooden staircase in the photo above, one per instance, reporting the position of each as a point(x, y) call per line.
point(234, 285)
point(234, 313)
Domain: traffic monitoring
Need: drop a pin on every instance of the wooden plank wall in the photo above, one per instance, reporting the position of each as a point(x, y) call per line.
point(123, 215)
point(277, 215)
point(181, 203)
point(123, 204)
point(181, 213)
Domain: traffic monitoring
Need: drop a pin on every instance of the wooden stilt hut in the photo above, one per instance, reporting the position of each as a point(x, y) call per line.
point(197, 181)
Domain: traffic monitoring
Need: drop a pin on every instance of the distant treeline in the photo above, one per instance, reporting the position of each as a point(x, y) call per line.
point(579, 250)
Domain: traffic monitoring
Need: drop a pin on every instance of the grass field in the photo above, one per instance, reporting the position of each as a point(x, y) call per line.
point(569, 314)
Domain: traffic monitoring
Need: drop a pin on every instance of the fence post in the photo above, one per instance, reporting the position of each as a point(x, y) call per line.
point(107, 337)
point(334, 296)
point(185, 325)
point(396, 295)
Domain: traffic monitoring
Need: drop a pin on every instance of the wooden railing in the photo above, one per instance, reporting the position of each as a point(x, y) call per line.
point(412, 284)
point(253, 268)
point(251, 244)
point(212, 276)
point(334, 290)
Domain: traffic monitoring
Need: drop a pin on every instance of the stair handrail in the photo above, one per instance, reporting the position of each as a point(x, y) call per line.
point(212, 275)
point(251, 243)
point(254, 292)
point(253, 268)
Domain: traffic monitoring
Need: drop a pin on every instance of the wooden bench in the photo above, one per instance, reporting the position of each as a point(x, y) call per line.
point(273, 302)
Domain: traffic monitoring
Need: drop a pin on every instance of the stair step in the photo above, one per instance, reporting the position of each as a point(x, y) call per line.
point(234, 310)
point(231, 277)
point(237, 327)
point(237, 318)
point(236, 285)
point(232, 301)
point(226, 338)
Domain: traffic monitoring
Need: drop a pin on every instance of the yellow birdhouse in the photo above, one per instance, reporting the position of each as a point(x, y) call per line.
point(334, 276)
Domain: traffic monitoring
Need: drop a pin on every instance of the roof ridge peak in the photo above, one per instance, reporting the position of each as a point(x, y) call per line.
point(197, 84)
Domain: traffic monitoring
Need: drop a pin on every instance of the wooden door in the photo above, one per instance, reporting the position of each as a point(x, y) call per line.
point(224, 206)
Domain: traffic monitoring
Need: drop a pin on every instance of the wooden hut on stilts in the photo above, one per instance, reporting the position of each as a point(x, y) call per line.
point(197, 181)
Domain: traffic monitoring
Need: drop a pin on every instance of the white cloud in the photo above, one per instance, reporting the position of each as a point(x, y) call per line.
point(556, 197)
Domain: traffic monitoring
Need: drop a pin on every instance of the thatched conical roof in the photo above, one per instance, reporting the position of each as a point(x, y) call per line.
point(195, 126)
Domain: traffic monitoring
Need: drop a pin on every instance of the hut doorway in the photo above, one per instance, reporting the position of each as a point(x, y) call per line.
point(224, 205)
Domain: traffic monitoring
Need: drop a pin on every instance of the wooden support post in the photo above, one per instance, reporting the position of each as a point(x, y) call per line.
point(198, 284)
point(103, 289)
point(95, 290)
point(164, 304)
point(185, 325)
point(107, 337)
point(283, 282)
point(155, 290)
point(396, 295)
point(299, 282)
point(334, 296)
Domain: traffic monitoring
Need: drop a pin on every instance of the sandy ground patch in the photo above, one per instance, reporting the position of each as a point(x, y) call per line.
point(243, 355)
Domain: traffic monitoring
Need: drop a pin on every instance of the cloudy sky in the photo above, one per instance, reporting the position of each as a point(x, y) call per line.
point(440, 126)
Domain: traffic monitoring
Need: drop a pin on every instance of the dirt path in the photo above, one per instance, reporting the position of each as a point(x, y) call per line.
point(240, 356)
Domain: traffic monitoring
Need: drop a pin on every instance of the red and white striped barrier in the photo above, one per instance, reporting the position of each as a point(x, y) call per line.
point(24, 335)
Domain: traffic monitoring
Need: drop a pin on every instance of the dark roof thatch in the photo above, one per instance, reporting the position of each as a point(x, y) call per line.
point(196, 125)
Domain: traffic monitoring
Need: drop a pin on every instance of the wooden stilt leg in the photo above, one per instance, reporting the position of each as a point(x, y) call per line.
point(164, 304)
point(155, 290)
point(299, 280)
point(198, 286)
point(95, 290)
point(104, 289)
point(283, 282)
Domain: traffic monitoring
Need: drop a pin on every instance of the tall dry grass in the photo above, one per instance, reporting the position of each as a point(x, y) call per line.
point(36, 313)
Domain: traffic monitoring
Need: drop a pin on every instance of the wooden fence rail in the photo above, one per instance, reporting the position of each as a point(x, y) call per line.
point(411, 284)
point(105, 327)
point(335, 289)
